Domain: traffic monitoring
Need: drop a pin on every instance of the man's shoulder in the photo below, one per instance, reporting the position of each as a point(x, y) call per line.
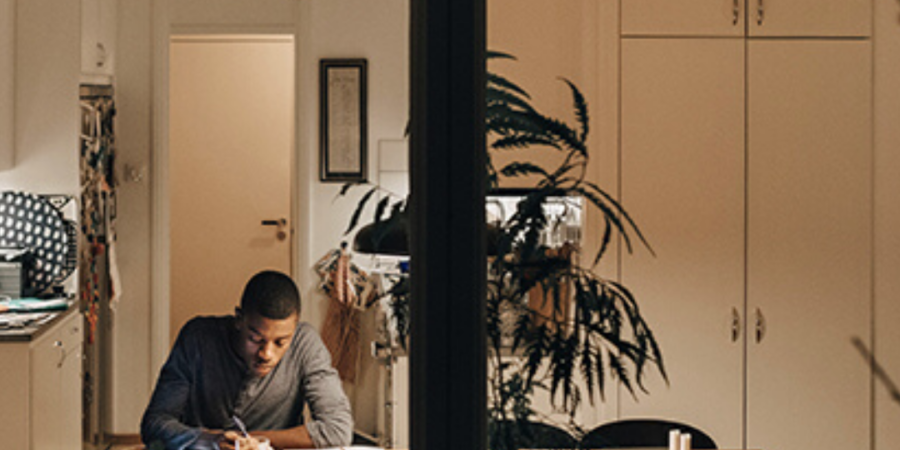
point(307, 339)
point(306, 333)
point(206, 326)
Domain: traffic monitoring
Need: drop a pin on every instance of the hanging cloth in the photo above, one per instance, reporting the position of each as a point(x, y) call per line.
point(348, 291)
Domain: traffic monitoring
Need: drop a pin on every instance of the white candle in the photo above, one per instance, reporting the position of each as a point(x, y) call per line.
point(674, 440)
point(686, 441)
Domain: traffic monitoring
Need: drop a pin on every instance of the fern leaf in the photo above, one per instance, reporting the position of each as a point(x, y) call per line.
point(380, 208)
point(581, 112)
point(495, 54)
point(498, 82)
point(354, 219)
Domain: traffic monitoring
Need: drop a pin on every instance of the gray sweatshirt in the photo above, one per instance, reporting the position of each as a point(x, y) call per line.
point(205, 382)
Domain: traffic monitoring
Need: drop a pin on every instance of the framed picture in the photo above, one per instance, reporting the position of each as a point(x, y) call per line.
point(342, 120)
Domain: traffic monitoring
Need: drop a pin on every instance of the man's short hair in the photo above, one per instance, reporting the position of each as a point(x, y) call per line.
point(272, 295)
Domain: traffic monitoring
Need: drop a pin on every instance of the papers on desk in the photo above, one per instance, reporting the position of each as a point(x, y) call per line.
point(34, 304)
point(349, 447)
point(8, 321)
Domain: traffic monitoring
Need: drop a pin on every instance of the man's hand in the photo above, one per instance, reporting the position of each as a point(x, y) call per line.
point(233, 440)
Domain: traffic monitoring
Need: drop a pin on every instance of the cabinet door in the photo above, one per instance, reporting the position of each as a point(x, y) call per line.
point(46, 417)
point(682, 17)
point(809, 17)
point(7, 87)
point(98, 37)
point(809, 244)
point(683, 183)
point(56, 386)
point(70, 370)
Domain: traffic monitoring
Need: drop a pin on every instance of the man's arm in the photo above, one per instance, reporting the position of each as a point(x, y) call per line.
point(331, 424)
point(161, 424)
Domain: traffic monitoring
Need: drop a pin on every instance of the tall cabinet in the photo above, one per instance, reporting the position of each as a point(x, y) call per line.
point(747, 160)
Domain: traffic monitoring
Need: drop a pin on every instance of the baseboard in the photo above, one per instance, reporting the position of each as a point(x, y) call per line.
point(122, 438)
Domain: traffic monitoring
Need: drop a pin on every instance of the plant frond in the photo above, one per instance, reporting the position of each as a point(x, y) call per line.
point(496, 54)
point(618, 207)
point(520, 141)
point(581, 112)
point(380, 208)
point(498, 82)
point(354, 219)
point(516, 169)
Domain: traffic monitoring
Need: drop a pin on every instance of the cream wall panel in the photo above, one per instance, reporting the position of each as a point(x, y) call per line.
point(128, 390)
point(575, 40)
point(887, 221)
point(809, 243)
point(551, 40)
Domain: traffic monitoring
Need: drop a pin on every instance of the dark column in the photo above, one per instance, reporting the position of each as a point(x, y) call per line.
point(447, 158)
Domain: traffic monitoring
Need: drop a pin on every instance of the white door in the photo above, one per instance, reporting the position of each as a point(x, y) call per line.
point(231, 142)
point(683, 183)
point(809, 244)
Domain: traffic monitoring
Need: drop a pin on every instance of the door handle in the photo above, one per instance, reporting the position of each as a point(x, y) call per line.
point(736, 11)
point(760, 12)
point(760, 326)
point(280, 234)
point(735, 325)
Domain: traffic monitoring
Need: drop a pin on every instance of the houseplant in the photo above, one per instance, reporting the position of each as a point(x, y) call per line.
point(583, 325)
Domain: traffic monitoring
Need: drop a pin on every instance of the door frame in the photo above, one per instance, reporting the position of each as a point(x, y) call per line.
point(160, 252)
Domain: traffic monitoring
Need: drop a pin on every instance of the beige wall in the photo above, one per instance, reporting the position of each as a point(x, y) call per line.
point(887, 218)
point(551, 40)
point(377, 31)
point(129, 384)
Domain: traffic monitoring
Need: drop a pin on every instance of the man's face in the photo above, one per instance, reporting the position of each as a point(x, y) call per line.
point(262, 342)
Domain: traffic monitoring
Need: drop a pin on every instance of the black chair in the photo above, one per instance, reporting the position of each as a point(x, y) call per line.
point(533, 435)
point(641, 433)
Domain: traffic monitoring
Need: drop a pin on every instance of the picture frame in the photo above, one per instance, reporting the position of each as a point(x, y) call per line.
point(343, 120)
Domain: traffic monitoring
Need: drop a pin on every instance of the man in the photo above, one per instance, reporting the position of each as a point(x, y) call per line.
point(262, 366)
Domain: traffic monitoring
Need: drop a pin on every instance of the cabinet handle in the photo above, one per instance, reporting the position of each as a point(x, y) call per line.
point(735, 325)
point(62, 353)
point(760, 326)
point(760, 12)
point(101, 55)
point(736, 11)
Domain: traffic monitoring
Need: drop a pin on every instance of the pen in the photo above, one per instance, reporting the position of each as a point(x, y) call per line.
point(240, 425)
